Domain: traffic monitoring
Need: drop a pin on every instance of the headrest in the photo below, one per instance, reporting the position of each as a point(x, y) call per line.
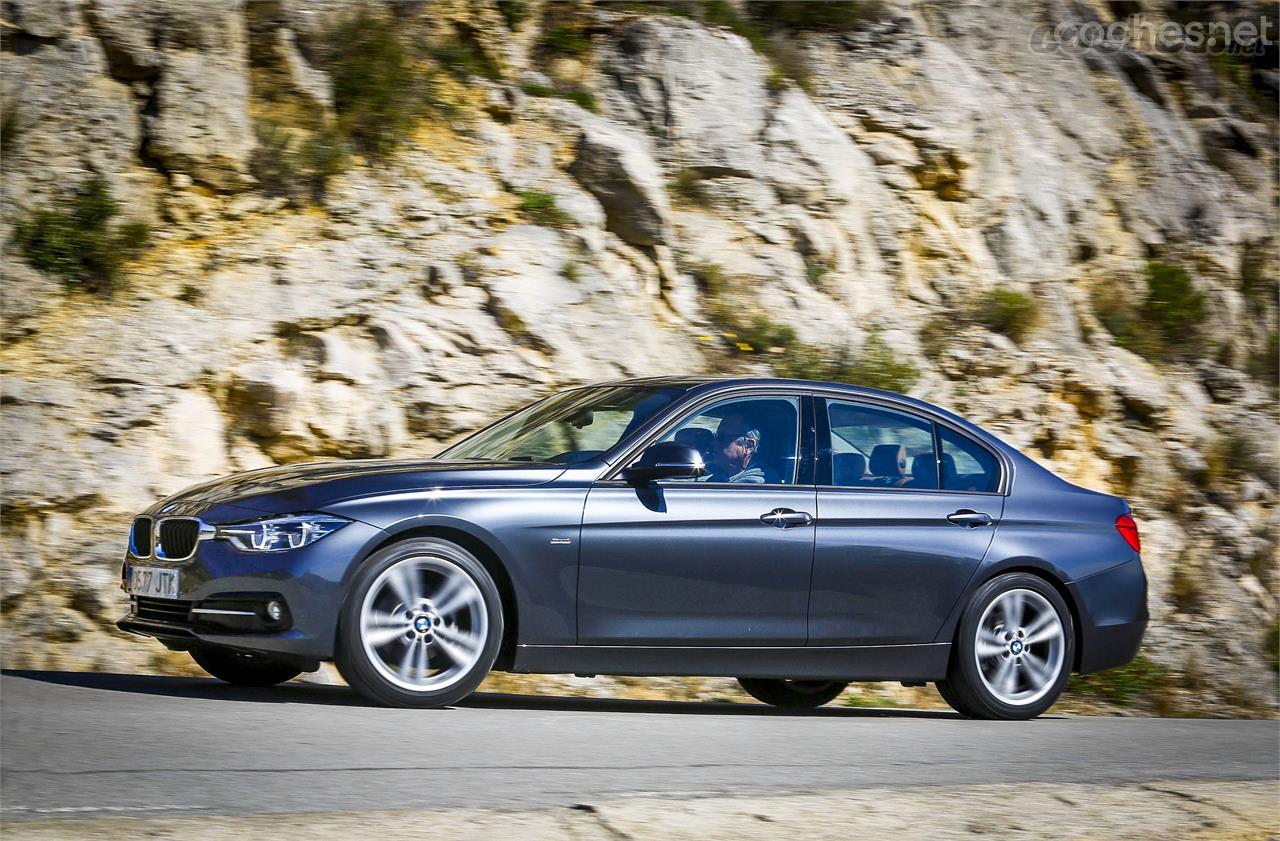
point(702, 440)
point(889, 460)
point(847, 468)
point(924, 471)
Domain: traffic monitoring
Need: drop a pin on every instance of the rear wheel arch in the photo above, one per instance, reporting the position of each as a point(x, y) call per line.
point(492, 563)
point(1050, 578)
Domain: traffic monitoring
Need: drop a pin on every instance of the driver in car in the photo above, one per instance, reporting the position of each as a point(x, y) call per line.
point(736, 455)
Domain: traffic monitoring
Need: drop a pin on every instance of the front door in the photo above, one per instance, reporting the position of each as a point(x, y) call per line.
point(906, 511)
point(720, 561)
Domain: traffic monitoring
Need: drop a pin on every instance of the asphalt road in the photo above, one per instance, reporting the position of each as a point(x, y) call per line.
point(84, 744)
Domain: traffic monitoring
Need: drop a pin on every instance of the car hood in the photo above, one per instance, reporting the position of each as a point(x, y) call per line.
point(296, 488)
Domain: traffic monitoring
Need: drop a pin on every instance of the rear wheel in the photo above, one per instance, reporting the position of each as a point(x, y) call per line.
point(792, 693)
point(1013, 650)
point(421, 625)
point(243, 669)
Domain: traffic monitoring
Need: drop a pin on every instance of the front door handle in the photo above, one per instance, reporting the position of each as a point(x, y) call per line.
point(785, 518)
point(969, 518)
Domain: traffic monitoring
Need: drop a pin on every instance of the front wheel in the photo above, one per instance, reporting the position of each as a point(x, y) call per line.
point(242, 668)
point(795, 694)
point(421, 625)
point(1013, 650)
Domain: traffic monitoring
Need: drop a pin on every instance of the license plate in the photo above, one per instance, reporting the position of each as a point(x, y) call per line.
point(154, 582)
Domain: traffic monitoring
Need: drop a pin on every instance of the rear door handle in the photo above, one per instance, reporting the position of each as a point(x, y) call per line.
point(785, 518)
point(970, 519)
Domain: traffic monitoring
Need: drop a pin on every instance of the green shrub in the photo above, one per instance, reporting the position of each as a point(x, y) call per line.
point(824, 15)
point(190, 293)
point(1140, 679)
point(296, 167)
point(687, 186)
point(753, 334)
point(582, 98)
point(541, 209)
point(1264, 365)
point(1008, 311)
point(1173, 304)
point(379, 90)
point(935, 333)
point(1185, 588)
point(75, 238)
point(515, 12)
point(816, 272)
point(1226, 459)
point(571, 271)
point(566, 40)
point(11, 124)
point(1167, 324)
point(464, 57)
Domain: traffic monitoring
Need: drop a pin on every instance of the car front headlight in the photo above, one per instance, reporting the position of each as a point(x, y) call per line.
point(280, 534)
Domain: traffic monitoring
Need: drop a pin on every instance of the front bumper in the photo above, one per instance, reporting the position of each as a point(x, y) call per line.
point(310, 581)
point(1112, 608)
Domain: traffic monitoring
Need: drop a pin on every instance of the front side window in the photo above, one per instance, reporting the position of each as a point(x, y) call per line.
point(966, 466)
point(568, 428)
point(873, 447)
point(747, 440)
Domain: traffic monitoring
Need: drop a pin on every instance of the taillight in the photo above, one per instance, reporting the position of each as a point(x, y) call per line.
point(1129, 531)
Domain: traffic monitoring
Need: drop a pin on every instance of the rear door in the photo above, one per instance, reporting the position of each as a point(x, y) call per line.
point(906, 511)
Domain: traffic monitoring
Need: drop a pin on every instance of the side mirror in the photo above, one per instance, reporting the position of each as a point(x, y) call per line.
point(666, 460)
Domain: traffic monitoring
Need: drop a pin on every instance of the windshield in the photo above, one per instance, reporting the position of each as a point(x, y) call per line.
point(568, 428)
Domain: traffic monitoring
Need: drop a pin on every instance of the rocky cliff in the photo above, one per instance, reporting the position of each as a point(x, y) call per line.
point(368, 229)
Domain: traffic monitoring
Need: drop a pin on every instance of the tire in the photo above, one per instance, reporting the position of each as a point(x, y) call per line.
point(1013, 651)
point(243, 669)
point(949, 695)
point(793, 694)
point(401, 644)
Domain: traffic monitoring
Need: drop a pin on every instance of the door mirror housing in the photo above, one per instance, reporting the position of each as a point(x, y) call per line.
point(666, 460)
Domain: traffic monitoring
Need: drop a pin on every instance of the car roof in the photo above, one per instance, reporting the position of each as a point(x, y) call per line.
point(710, 384)
point(691, 382)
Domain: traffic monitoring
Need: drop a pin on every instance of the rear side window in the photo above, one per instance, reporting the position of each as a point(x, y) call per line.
point(966, 466)
point(872, 447)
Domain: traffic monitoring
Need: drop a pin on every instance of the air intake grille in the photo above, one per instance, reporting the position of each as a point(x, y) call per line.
point(162, 610)
point(140, 538)
point(177, 538)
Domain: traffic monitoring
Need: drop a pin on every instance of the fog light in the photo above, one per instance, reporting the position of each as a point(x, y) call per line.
point(275, 610)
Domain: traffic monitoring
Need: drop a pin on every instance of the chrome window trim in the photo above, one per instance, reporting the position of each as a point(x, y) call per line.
point(1005, 466)
point(151, 547)
point(678, 411)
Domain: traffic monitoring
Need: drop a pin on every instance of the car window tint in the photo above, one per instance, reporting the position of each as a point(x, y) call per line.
point(747, 440)
point(967, 466)
point(872, 447)
point(569, 427)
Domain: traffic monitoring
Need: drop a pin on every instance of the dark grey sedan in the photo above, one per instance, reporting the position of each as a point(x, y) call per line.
point(794, 535)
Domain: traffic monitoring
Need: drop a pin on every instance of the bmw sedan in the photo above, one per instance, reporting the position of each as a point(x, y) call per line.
point(794, 535)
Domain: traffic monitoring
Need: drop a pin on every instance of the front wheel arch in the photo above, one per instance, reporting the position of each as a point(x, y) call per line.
point(488, 558)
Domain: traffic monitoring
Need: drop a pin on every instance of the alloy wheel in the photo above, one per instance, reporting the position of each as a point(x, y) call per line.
point(1020, 647)
point(423, 624)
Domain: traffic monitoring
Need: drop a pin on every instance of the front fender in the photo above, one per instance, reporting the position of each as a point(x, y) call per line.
point(533, 532)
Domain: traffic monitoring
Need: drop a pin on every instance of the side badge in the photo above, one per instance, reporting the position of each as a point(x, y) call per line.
point(560, 541)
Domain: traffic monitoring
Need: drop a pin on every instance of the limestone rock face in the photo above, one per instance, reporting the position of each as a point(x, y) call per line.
point(623, 176)
point(194, 56)
point(517, 243)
